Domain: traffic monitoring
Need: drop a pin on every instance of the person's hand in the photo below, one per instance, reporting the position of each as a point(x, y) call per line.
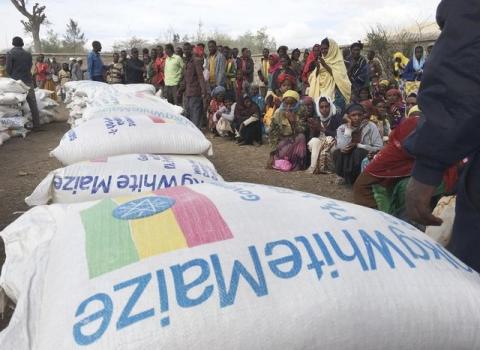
point(348, 120)
point(371, 155)
point(418, 197)
point(290, 116)
point(348, 149)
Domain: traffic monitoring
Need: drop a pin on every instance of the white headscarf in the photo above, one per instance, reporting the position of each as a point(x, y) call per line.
point(333, 109)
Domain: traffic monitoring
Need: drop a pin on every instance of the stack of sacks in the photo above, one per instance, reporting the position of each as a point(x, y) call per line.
point(232, 266)
point(46, 106)
point(13, 94)
point(124, 149)
point(88, 99)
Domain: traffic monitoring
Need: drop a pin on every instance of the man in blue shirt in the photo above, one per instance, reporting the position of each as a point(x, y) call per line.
point(95, 67)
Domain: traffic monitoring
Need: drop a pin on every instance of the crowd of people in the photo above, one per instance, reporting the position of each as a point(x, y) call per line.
point(325, 110)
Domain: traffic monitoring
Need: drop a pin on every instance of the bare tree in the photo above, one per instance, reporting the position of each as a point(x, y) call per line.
point(34, 20)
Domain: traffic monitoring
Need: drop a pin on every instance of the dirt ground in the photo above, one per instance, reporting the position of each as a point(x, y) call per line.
point(25, 162)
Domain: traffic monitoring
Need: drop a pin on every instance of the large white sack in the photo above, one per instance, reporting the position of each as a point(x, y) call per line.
point(9, 111)
point(126, 106)
point(233, 266)
point(46, 103)
point(4, 136)
point(121, 175)
point(11, 85)
point(12, 122)
point(106, 137)
point(12, 98)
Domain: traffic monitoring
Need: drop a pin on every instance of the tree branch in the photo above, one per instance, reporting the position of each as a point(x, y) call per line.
point(20, 5)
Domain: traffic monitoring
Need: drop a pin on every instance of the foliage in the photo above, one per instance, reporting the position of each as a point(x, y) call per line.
point(74, 39)
point(385, 44)
point(130, 44)
point(256, 42)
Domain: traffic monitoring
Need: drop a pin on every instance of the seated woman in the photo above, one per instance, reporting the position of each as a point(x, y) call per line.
point(287, 133)
point(323, 130)
point(388, 168)
point(400, 62)
point(225, 116)
point(247, 124)
point(285, 69)
point(395, 107)
point(217, 102)
point(330, 77)
point(355, 139)
point(380, 118)
point(414, 71)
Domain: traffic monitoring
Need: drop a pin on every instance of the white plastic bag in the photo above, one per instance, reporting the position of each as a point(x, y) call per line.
point(233, 266)
point(121, 175)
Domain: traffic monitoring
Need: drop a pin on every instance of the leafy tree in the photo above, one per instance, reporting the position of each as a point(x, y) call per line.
point(130, 44)
point(74, 39)
point(52, 42)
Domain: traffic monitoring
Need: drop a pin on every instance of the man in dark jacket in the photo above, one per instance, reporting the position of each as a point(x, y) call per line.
point(194, 87)
point(450, 100)
point(134, 68)
point(19, 67)
point(246, 65)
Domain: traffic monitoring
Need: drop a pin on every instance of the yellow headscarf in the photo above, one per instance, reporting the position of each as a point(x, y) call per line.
point(413, 110)
point(403, 60)
point(384, 82)
point(293, 94)
point(323, 84)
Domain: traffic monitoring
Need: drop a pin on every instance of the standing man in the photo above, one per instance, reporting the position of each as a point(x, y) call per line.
point(236, 58)
point(134, 68)
point(19, 67)
point(173, 74)
point(247, 65)
point(77, 72)
point(263, 71)
point(95, 66)
point(216, 66)
point(115, 74)
point(158, 79)
point(194, 87)
point(374, 65)
point(449, 132)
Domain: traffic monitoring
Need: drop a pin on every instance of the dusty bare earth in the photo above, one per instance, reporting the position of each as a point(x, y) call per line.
point(25, 162)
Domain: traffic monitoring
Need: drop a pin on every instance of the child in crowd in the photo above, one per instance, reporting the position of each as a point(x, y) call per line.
point(225, 116)
point(257, 98)
point(64, 77)
point(217, 102)
point(272, 102)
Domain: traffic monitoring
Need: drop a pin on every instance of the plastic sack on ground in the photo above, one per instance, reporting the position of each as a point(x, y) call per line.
point(11, 85)
point(121, 175)
point(233, 266)
point(105, 137)
point(12, 98)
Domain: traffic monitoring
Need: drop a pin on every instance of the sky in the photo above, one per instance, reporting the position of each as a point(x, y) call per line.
point(300, 23)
